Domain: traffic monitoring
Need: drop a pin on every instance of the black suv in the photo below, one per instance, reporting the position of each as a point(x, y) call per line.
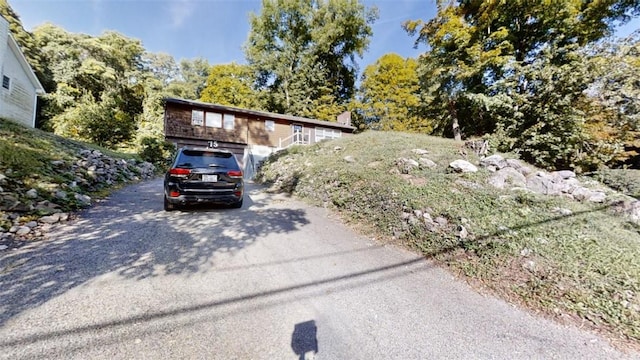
point(203, 175)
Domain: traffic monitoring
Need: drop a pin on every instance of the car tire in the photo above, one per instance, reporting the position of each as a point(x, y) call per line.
point(167, 205)
point(237, 205)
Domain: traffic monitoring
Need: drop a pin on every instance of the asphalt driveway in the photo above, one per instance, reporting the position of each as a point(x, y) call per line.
point(276, 279)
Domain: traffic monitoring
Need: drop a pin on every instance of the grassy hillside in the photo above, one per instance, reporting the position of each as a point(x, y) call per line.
point(41, 173)
point(576, 261)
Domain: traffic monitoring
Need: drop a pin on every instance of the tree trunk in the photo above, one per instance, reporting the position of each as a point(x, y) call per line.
point(454, 116)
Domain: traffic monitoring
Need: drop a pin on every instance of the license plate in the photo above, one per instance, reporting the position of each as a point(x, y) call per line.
point(209, 178)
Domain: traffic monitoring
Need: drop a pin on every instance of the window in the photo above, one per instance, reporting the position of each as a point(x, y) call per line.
point(214, 120)
point(327, 134)
point(197, 117)
point(270, 125)
point(6, 82)
point(229, 120)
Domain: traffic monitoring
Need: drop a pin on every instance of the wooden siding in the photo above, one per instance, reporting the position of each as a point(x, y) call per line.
point(249, 129)
point(178, 124)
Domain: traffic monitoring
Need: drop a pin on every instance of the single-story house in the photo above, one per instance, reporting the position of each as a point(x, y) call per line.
point(251, 135)
point(20, 87)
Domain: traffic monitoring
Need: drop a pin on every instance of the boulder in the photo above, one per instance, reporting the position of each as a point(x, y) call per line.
point(496, 161)
point(32, 194)
point(427, 163)
point(507, 175)
point(463, 166)
point(420, 151)
point(83, 199)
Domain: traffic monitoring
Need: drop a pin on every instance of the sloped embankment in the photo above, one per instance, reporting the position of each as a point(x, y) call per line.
point(43, 177)
point(553, 242)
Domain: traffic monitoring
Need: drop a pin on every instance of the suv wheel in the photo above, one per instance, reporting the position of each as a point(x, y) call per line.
point(167, 205)
point(237, 205)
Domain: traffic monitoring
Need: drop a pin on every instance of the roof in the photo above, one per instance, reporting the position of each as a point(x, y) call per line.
point(263, 114)
point(13, 45)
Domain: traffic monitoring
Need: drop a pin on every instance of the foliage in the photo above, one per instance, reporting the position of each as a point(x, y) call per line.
point(303, 54)
point(616, 94)
point(389, 95)
point(581, 266)
point(626, 181)
point(98, 95)
point(230, 84)
point(491, 63)
point(156, 151)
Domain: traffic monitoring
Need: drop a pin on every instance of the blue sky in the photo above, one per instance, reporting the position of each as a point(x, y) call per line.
point(212, 29)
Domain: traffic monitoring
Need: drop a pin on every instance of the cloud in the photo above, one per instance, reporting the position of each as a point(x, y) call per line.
point(180, 11)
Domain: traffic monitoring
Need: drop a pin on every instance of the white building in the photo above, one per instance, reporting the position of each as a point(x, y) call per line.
point(19, 86)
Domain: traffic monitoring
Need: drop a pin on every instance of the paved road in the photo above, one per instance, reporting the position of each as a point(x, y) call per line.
point(274, 280)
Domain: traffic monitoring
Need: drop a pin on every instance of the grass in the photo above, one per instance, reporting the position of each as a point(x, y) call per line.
point(584, 266)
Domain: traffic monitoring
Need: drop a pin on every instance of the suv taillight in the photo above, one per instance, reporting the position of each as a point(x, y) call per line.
point(235, 173)
point(180, 172)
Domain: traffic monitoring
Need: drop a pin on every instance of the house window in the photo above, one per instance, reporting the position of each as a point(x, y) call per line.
point(6, 82)
point(197, 117)
point(270, 125)
point(214, 120)
point(229, 121)
point(327, 134)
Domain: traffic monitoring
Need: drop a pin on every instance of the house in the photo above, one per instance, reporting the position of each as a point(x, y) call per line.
point(251, 135)
point(20, 86)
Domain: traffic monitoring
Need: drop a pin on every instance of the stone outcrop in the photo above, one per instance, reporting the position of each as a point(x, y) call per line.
point(88, 171)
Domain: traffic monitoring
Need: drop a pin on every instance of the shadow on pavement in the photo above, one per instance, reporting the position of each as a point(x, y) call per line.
point(131, 235)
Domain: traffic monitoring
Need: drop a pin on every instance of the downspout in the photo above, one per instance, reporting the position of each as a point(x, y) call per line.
point(35, 110)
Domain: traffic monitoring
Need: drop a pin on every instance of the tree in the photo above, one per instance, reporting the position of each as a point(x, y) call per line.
point(98, 94)
point(193, 76)
point(473, 42)
point(389, 95)
point(303, 53)
point(230, 84)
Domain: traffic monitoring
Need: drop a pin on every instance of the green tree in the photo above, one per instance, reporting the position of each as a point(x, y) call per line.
point(303, 53)
point(100, 76)
point(230, 84)
point(473, 42)
point(389, 95)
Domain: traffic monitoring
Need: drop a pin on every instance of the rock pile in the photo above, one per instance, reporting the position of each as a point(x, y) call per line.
point(43, 205)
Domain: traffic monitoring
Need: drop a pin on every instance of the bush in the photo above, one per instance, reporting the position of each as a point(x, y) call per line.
point(156, 151)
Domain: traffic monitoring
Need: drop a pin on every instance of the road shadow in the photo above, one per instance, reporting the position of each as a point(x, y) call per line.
point(129, 234)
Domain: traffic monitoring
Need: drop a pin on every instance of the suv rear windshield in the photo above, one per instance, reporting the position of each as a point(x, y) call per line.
point(198, 158)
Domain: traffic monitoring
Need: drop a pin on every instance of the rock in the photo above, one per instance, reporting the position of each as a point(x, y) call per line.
point(441, 221)
point(544, 184)
point(23, 230)
point(83, 199)
point(597, 197)
point(50, 219)
point(463, 166)
point(468, 184)
point(3, 247)
point(57, 163)
point(63, 216)
point(406, 165)
point(495, 161)
point(564, 174)
point(530, 266)
point(13, 229)
point(61, 195)
point(462, 232)
point(507, 175)
point(420, 151)
point(582, 193)
point(349, 159)
point(424, 162)
point(525, 252)
point(1, 189)
point(31, 224)
point(561, 211)
point(32, 194)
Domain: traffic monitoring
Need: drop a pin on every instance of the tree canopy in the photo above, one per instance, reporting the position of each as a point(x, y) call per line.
point(303, 53)
point(230, 84)
point(390, 95)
